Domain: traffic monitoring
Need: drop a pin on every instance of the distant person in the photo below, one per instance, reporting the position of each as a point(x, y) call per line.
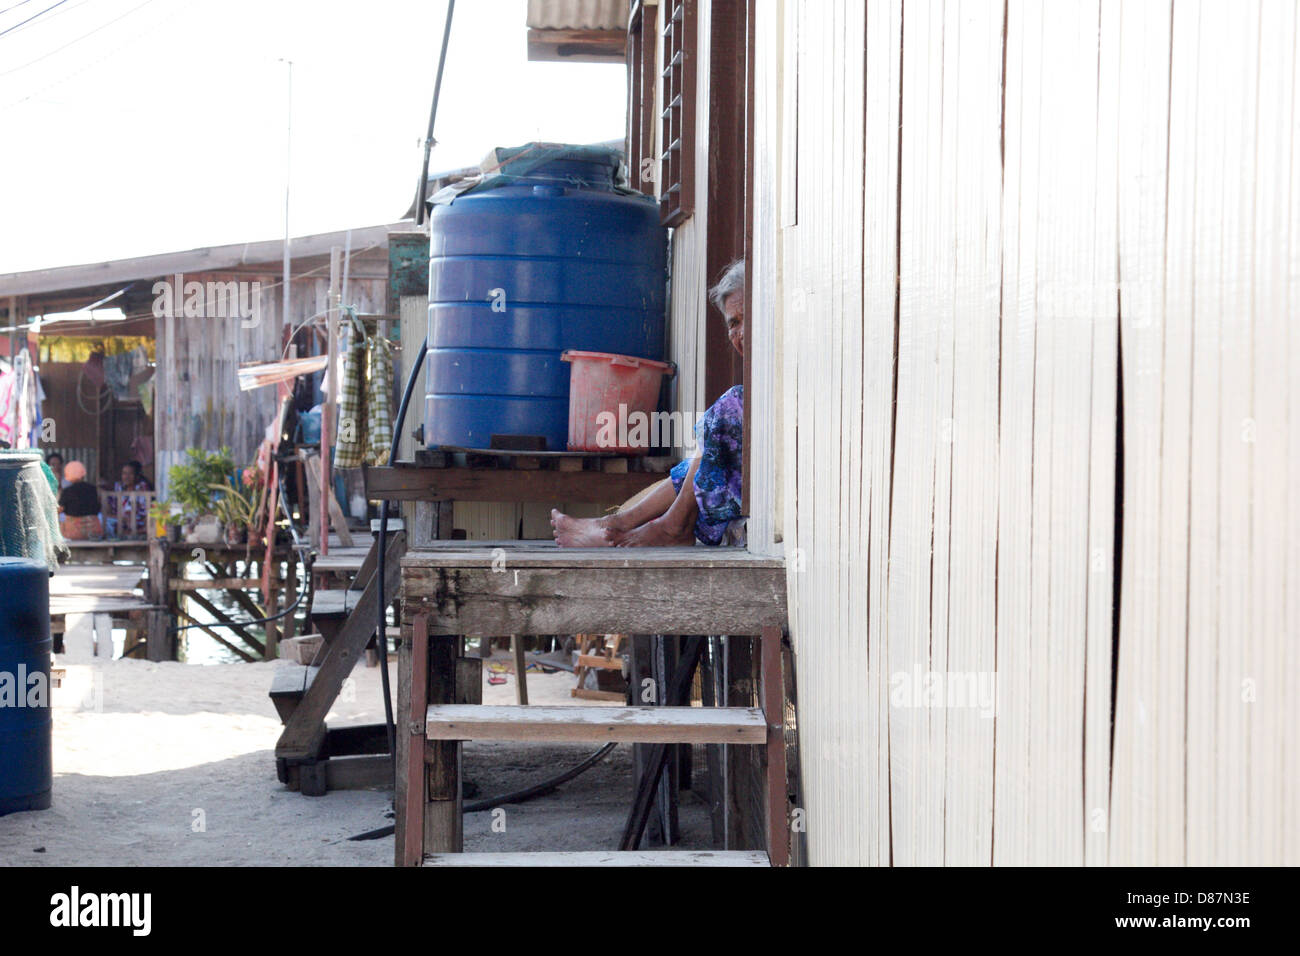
point(80, 504)
point(132, 514)
point(55, 461)
point(133, 478)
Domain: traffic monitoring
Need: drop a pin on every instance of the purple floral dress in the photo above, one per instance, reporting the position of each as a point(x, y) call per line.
point(720, 434)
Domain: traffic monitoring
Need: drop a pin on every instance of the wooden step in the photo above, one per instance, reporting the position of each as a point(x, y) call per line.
point(604, 858)
point(335, 603)
point(670, 725)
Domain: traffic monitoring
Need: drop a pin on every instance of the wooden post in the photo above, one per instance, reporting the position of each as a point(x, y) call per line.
point(443, 831)
point(330, 404)
point(778, 824)
point(161, 639)
point(413, 685)
point(290, 592)
point(521, 668)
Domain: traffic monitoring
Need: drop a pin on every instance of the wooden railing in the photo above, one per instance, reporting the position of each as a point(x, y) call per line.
point(126, 513)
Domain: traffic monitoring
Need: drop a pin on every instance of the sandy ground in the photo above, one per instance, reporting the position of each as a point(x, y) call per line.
point(172, 764)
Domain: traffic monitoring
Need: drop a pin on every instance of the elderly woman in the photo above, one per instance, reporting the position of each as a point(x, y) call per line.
point(710, 512)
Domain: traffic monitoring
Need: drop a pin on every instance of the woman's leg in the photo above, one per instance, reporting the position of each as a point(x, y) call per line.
point(571, 532)
point(676, 526)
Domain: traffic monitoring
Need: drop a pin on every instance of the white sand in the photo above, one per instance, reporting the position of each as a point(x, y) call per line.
point(172, 764)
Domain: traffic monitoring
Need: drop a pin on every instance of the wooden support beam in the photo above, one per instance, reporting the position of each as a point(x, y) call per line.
point(198, 598)
point(219, 639)
point(638, 600)
point(412, 704)
point(160, 640)
point(773, 688)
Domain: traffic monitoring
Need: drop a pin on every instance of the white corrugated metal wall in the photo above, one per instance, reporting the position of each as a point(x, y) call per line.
point(986, 225)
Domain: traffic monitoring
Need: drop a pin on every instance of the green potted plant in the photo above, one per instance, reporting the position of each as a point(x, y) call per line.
point(167, 518)
point(194, 485)
point(237, 510)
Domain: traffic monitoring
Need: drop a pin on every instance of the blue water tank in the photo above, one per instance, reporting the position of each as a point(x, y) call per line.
point(545, 256)
point(26, 765)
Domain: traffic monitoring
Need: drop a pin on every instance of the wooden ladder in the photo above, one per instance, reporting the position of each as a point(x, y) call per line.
point(305, 694)
point(440, 694)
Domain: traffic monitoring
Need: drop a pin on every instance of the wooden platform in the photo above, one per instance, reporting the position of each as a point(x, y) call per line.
point(512, 587)
point(453, 589)
point(106, 552)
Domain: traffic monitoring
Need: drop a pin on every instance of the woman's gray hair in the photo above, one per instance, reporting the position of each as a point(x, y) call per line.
point(732, 281)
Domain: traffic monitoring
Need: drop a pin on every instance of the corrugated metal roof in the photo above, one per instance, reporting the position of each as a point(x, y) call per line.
point(578, 14)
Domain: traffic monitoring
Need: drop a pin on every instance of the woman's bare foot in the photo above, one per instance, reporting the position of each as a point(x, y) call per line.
point(571, 532)
point(652, 534)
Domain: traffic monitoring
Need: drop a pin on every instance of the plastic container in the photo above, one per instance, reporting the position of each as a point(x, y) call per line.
point(26, 755)
point(553, 257)
point(612, 400)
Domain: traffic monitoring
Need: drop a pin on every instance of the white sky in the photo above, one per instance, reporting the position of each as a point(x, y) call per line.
point(164, 128)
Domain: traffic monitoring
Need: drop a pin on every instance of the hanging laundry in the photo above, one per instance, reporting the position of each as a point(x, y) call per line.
point(350, 447)
point(119, 369)
point(379, 400)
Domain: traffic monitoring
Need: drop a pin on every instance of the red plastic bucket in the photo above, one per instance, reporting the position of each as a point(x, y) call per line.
point(612, 400)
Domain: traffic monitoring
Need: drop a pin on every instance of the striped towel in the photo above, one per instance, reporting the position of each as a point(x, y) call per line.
point(350, 444)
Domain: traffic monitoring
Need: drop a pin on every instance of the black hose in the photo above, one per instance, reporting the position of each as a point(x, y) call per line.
point(381, 634)
point(517, 796)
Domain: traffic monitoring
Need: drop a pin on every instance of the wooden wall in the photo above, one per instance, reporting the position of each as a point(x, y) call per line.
point(198, 403)
point(689, 309)
point(1039, 399)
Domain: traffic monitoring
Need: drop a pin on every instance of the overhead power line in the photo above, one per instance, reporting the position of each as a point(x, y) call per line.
point(57, 3)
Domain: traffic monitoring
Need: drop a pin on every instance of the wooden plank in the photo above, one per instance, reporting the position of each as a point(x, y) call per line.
point(359, 772)
point(305, 731)
point(218, 584)
point(585, 858)
point(492, 484)
point(703, 725)
point(686, 600)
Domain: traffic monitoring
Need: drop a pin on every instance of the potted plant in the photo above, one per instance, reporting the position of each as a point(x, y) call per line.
point(167, 518)
point(237, 510)
point(194, 485)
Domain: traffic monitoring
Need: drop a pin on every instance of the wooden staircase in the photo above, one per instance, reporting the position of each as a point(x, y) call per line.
point(454, 590)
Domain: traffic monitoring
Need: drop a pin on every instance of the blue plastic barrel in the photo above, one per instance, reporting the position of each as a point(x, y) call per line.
point(548, 256)
point(26, 762)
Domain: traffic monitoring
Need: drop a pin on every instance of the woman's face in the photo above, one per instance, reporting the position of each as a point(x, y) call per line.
point(733, 311)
